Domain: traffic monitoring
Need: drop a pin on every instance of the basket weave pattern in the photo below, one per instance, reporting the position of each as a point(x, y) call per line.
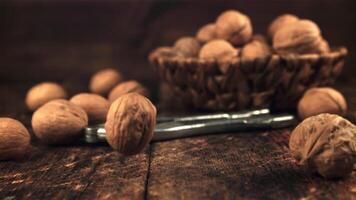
point(276, 81)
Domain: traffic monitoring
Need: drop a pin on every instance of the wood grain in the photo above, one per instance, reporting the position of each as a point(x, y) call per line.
point(237, 166)
point(254, 165)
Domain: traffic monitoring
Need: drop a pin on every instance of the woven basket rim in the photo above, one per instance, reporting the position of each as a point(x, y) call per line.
point(334, 53)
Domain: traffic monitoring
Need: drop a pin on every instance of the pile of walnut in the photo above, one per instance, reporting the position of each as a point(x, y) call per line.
point(324, 143)
point(129, 116)
point(231, 36)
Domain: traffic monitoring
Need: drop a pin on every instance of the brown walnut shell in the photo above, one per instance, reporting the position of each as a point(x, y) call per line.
point(94, 105)
point(103, 81)
point(130, 123)
point(234, 27)
point(321, 100)
point(42, 93)
point(59, 122)
point(326, 144)
point(127, 87)
point(187, 47)
point(206, 33)
point(300, 37)
point(14, 139)
point(280, 22)
point(219, 50)
point(255, 49)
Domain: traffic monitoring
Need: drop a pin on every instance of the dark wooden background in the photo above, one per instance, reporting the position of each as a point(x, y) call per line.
point(68, 40)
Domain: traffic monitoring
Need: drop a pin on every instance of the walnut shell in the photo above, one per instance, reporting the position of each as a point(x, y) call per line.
point(218, 50)
point(94, 105)
point(187, 47)
point(59, 122)
point(43, 93)
point(326, 144)
point(234, 27)
point(321, 100)
point(130, 123)
point(256, 49)
point(300, 37)
point(127, 87)
point(279, 22)
point(14, 139)
point(103, 81)
point(206, 33)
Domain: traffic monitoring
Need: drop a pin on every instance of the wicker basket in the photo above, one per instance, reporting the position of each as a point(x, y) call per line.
point(276, 82)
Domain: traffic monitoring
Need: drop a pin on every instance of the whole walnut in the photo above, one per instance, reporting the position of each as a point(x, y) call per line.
point(43, 93)
point(127, 87)
point(187, 47)
point(14, 139)
point(94, 105)
point(234, 27)
point(104, 80)
point(300, 37)
point(130, 123)
point(219, 50)
point(326, 144)
point(321, 100)
point(257, 48)
point(279, 22)
point(59, 122)
point(206, 33)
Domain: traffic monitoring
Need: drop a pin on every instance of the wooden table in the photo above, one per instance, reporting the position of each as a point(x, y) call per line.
point(249, 165)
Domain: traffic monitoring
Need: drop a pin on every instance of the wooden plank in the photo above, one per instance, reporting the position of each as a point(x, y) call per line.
point(237, 166)
point(84, 172)
point(77, 171)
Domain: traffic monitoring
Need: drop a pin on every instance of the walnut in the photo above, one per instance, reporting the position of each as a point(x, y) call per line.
point(130, 123)
point(234, 27)
point(14, 139)
point(43, 93)
point(321, 100)
point(300, 37)
point(94, 105)
point(218, 50)
point(279, 22)
point(326, 144)
point(104, 80)
point(257, 48)
point(59, 122)
point(206, 33)
point(127, 87)
point(187, 47)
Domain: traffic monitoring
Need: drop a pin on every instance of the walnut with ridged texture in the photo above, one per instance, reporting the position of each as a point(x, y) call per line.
point(130, 123)
point(59, 122)
point(42, 93)
point(187, 47)
point(14, 139)
point(94, 105)
point(234, 27)
point(103, 81)
point(321, 100)
point(219, 50)
point(279, 22)
point(257, 48)
point(325, 144)
point(128, 87)
point(206, 33)
point(300, 37)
